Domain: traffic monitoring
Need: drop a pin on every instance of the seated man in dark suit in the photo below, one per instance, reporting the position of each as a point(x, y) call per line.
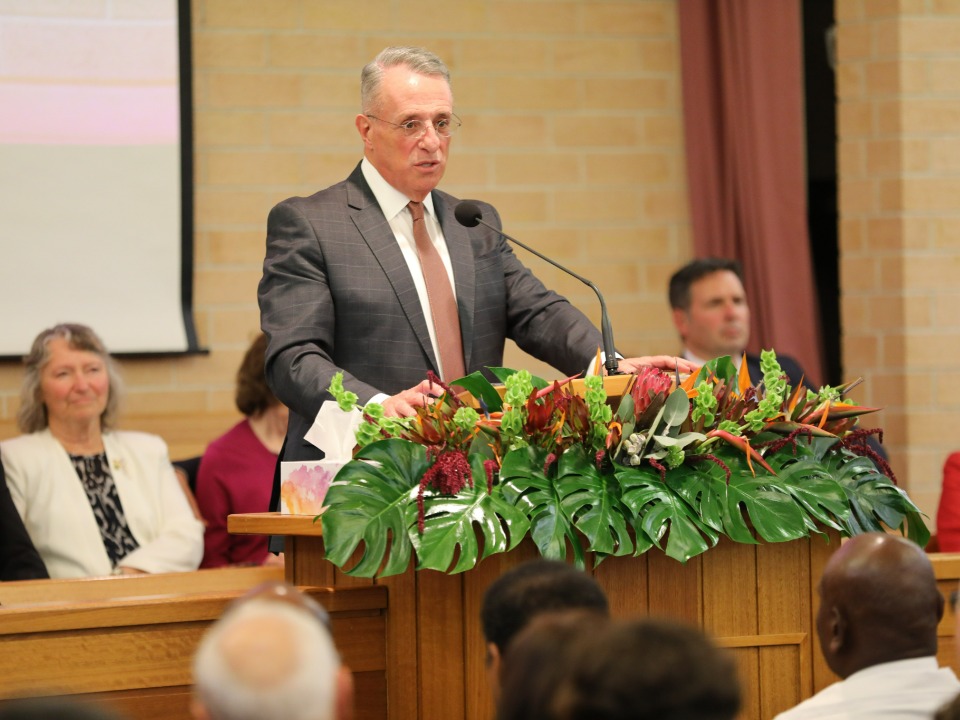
point(711, 313)
point(19, 559)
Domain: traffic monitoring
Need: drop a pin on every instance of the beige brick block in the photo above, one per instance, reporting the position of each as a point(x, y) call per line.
point(620, 94)
point(537, 168)
point(923, 116)
point(884, 157)
point(489, 56)
point(224, 286)
point(859, 350)
point(453, 18)
point(324, 168)
point(641, 168)
point(238, 247)
point(945, 232)
point(852, 235)
point(330, 90)
point(468, 169)
point(883, 77)
point(885, 40)
point(146, 372)
point(617, 278)
point(892, 270)
point(221, 401)
point(928, 350)
point(229, 50)
point(235, 326)
point(851, 80)
point(162, 402)
point(943, 76)
point(516, 207)
point(536, 93)
point(855, 313)
point(231, 207)
point(507, 131)
point(332, 16)
point(253, 90)
point(587, 205)
point(639, 243)
point(253, 168)
point(596, 55)
point(945, 7)
point(549, 18)
point(313, 129)
point(666, 204)
point(892, 195)
point(249, 14)
point(946, 309)
point(214, 128)
point(929, 35)
point(317, 51)
point(932, 194)
point(592, 131)
point(472, 93)
point(659, 56)
point(915, 75)
point(873, 9)
point(854, 119)
point(945, 155)
point(565, 244)
point(888, 118)
point(630, 18)
point(858, 274)
point(851, 159)
point(854, 42)
point(662, 131)
point(857, 197)
point(848, 10)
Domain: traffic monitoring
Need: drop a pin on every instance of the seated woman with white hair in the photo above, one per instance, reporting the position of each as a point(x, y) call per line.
point(95, 501)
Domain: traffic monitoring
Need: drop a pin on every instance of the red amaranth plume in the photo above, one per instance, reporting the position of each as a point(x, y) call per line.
point(660, 468)
point(710, 458)
point(448, 474)
point(856, 442)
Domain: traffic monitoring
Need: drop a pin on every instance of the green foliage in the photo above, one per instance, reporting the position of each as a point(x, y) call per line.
point(664, 470)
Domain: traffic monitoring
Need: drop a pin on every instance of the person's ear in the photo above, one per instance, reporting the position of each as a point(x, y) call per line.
point(836, 630)
point(680, 319)
point(492, 662)
point(344, 689)
point(198, 711)
point(363, 127)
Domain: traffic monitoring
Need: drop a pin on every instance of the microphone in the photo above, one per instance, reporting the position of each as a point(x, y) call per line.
point(469, 214)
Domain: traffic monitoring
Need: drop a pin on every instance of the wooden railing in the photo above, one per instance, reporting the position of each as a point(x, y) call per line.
point(129, 641)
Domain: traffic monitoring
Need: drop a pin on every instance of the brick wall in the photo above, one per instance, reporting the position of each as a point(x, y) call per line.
point(899, 152)
point(572, 127)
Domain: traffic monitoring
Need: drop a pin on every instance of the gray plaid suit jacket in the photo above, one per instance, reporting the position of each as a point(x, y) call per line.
point(336, 294)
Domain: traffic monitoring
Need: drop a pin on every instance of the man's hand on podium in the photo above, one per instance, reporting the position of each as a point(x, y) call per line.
point(667, 363)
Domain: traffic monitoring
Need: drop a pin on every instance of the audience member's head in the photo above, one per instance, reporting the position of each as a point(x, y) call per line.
point(569, 668)
point(253, 396)
point(529, 590)
point(271, 657)
point(54, 708)
point(710, 309)
point(34, 411)
point(879, 603)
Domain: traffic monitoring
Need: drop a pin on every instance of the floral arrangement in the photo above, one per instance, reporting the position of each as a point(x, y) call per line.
point(674, 465)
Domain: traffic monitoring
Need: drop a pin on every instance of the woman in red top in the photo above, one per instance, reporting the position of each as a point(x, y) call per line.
point(236, 472)
point(948, 511)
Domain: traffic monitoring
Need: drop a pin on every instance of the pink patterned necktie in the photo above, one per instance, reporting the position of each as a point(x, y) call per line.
point(443, 304)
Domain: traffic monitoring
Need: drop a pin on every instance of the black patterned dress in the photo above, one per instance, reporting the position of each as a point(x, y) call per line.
point(97, 481)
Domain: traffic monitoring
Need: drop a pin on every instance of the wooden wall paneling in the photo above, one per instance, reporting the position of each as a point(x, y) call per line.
point(440, 645)
point(625, 581)
point(479, 704)
point(403, 697)
point(674, 589)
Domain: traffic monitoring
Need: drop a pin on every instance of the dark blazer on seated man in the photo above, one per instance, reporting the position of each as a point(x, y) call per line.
point(19, 559)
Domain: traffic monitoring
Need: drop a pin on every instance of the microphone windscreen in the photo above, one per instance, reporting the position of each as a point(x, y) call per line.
point(468, 213)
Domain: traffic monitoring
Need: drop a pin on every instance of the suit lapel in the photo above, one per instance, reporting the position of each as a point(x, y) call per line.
point(373, 227)
point(464, 276)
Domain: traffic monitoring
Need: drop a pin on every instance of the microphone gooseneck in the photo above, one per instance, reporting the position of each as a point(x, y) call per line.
point(469, 214)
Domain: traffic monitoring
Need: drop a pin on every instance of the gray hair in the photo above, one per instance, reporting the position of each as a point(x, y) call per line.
point(267, 660)
point(32, 415)
point(420, 60)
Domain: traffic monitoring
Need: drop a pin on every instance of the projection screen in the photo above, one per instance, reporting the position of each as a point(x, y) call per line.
point(96, 173)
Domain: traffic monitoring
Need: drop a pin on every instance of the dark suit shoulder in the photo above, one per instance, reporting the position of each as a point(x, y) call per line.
point(790, 367)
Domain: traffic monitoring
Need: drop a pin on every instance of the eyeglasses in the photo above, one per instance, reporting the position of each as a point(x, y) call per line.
point(444, 127)
point(282, 592)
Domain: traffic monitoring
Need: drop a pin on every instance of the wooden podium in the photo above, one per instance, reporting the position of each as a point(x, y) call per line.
point(758, 600)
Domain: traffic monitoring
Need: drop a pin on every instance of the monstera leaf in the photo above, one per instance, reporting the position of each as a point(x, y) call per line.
point(451, 523)
point(593, 500)
point(772, 511)
point(373, 502)
point(659, 511)
point(526, 485)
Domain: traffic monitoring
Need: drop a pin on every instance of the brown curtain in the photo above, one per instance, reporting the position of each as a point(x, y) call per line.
point(742, 73)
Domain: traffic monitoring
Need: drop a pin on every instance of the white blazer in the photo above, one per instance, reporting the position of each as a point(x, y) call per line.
point(56, 512)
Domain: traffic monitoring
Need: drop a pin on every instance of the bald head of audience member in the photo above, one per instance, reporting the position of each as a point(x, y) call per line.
point(879, 603)
point(270, 658)
point(530, 590)
point(571, 667)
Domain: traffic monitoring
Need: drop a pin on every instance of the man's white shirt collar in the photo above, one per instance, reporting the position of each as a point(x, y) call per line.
point(391, 201)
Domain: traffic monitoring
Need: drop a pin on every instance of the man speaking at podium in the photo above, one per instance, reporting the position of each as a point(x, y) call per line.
point(374, 276)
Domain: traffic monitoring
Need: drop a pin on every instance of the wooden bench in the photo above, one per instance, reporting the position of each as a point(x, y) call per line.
point(129, 641)
point(946, 566)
